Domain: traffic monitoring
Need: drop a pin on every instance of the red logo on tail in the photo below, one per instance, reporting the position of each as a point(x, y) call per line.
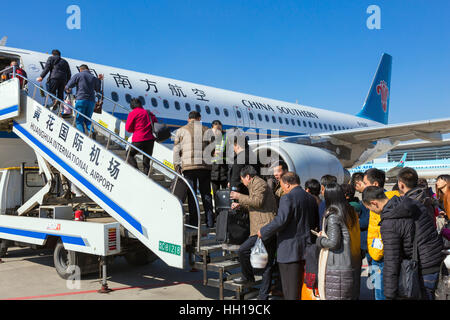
point(383, 90)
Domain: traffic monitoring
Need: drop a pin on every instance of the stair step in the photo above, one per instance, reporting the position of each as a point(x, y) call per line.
point(224, 265)
point(230, 285)
point(210, 248)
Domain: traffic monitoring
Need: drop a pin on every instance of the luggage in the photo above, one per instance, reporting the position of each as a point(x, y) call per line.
point(232, 226)
point(159, 130)
point(222, 200)
point(442, 291)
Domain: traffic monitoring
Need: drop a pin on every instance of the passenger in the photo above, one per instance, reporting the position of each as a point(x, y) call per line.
point(443, 192)
point(279, 168)
point(140, 124)
point(86, 85)
point(296, 217)
point(408, 184)
point(219, 167)
point(312, 186)
point(262, 207)
point(324, 181)
point(189, 147)
point(343, 266)
point(242, 156)
point(8, 74)
point(363, 217)
point(358, 181)
point(375, 177)
point(59, 75)
point(399, 219)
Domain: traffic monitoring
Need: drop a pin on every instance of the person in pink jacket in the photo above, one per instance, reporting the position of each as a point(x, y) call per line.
point(139, 123)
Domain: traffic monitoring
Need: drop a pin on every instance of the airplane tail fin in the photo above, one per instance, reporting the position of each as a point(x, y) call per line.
point(401, 164)
point(376, 106)
point(3, 41)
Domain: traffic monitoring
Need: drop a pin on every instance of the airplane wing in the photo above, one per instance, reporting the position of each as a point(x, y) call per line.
point(356, 146)
point(422, 144)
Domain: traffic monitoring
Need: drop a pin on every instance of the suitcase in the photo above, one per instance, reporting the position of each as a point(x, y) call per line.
point(232, 226)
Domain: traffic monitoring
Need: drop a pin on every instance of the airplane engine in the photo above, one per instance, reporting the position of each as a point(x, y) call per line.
point(308, 162)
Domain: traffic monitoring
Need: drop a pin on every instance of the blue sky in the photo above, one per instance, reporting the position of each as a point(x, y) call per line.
point(317, 52)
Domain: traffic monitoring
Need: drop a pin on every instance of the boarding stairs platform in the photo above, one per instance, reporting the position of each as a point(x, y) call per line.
point(96, 163)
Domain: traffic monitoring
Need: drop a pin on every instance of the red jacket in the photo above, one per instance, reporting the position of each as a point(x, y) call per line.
point(138, 123)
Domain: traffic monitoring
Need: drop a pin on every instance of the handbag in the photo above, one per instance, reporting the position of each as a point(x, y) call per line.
point(99, 104)
point(160, 130)
point(322, 268)
point(443, 287)
point(409, 284)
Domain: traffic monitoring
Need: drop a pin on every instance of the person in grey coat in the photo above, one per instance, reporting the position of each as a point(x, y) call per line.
point(343, 266)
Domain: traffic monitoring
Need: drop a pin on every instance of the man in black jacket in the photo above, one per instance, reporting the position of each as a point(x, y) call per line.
point(242, 156)
point(400, 216)
point(296, 217)
point(59, 75)
point(408, 181)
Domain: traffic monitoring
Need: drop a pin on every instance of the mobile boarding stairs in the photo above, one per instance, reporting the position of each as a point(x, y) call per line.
point(133, 206)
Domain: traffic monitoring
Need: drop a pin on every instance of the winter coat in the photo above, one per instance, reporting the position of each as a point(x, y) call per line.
point(240, 160)
point(138, 123)
point(296, 217)
point(59, 69)
point(373, 231)
point(190, 155)
point(343, 269)
point(260, 203)
point(398, 230)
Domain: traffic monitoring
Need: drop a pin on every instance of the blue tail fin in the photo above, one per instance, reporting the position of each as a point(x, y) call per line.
point(376, 106)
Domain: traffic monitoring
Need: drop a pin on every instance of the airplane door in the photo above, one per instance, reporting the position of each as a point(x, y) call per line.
point(251, 116)
point(241, 116)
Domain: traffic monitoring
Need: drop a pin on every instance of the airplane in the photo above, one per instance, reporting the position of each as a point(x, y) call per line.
point(310, 140)
point(428, 169)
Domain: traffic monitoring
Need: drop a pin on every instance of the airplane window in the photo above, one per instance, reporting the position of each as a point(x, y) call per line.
point(177, 105)
point(208, 110)
point(198, 108)
point(334, 126)
point(274, 119)
point(141, 98)
point(281, 120)
point(267, 118)
point(238, 113)
point(225, 112)
point(114, 96)
point(293, 122)
point(286, 120)
point(299, 123)
point(154, 102)
point(259, 117)
point(251, 116)
point(128, 98)
point(320, 126)
point(188, 107)
point(310, 124)
point(339, 127)
point(217, 111)
point(315, 125)
point(166, 104)
point(304, 123)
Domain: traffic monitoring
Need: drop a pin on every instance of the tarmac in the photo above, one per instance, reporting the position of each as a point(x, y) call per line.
point(28, 274)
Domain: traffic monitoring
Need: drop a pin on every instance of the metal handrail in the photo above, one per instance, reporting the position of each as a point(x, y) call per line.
point(129, 145)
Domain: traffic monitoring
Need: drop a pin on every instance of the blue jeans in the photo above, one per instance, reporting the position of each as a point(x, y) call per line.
point(85, 107)
point(376, 273)
point(429, 285)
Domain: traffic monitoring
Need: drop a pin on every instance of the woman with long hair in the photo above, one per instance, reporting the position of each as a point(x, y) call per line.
point(341, 236)
point(443, 192)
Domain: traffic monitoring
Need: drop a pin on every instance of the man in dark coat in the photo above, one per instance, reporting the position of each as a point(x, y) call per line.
point(59, 75)
point(296, 217)
point(402, 219)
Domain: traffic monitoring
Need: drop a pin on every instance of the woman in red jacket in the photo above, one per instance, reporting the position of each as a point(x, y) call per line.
point(139, 123)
